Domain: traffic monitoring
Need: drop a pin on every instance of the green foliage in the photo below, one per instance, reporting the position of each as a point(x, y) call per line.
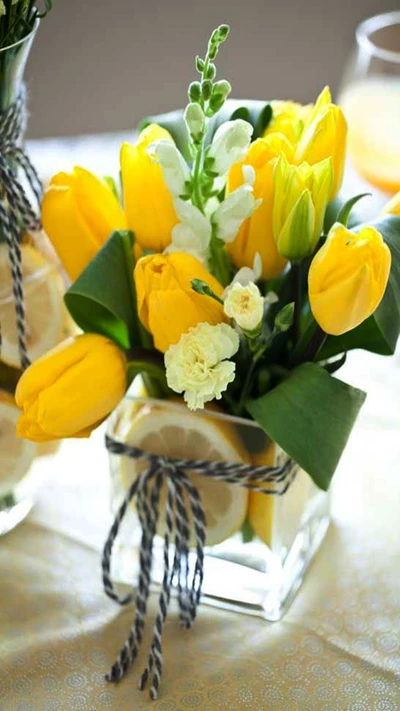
point(310, 415)
point(102, 300)
point(19, 20)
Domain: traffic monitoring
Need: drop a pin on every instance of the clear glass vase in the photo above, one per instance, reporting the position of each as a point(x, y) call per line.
point(258, 545)
point(12, 66)
point(47, 324)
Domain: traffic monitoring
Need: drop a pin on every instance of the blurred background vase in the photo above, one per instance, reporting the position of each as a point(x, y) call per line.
point(258, 546)
point(46, 325)
point(370, 96)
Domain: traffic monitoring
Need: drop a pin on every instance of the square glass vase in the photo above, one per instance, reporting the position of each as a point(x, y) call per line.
point(258, 545)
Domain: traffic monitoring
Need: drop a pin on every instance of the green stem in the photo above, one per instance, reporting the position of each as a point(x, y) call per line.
point(246, 387)
point(197, 168)
point(297, 298)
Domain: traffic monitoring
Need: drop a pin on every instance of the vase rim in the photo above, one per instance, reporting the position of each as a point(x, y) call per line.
point(23, 39)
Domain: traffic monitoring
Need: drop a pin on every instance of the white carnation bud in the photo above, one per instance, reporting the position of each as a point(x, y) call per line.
point(195, 120)
point(247, 274)
point(230, 144)
point(246, 305)
point(175, 169)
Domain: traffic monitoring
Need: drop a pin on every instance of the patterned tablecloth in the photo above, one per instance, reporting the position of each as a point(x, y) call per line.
point(337, 649)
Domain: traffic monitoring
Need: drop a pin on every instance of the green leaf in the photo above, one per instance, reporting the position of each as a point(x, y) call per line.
point(379, 333)
point(310, 415)
point(345, 210)
point(103, 300)
point(332, 212)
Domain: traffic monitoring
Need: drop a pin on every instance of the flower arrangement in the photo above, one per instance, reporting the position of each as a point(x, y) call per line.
point(18, 18)
point(225, 268)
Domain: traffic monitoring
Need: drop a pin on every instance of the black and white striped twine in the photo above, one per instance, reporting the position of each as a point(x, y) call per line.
point(16, 212)
point(185, 518)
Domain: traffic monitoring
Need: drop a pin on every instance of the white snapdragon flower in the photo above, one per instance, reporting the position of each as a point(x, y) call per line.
point(230, 144)
point(195, 120)
point(174, 167)
point(237, 207)
point(245, 304)
point(199, 366)
point(193, 233)
point(247, 274)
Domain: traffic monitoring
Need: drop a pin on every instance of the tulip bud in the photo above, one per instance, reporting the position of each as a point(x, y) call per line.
point(147, 199)
point(324, 136)
point(79, 213)
point(167, 304)
point(230, 144)
point(393, 206)
point(347, 278)
point(195, 121)
point(175, 169)
point(300, 198)
point(71, 389)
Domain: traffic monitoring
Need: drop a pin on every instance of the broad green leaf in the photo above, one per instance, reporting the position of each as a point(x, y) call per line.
point(102, 300)
point(333, 210)
point(380, 332)
point(310, 415)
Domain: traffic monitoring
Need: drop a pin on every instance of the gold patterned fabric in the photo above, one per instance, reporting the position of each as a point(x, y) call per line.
point(337, 649)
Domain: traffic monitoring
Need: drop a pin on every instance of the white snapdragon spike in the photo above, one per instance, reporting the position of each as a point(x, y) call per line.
point(174, 167)
point(245, 305)
point(230, 144)
point(198, 365)
point(247, 274)
point(193, 233)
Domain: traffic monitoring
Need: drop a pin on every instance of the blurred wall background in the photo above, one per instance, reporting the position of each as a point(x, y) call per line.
point(100, 65)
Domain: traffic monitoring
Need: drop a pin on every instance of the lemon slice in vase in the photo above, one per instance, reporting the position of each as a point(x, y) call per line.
point(169, 429)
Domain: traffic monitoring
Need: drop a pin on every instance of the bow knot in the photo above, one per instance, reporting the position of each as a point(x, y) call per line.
point(184, 527)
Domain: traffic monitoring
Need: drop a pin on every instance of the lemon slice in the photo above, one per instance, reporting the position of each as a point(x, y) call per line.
point(44, 308)
point(171, 430)
point(16, 455)
point(262, 506)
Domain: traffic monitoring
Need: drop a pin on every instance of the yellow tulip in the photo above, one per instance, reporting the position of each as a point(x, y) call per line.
point(393, 206)
point(79, 212)
point(71, 389)
point(288, 118)
point(148, 202)
point(300, 198)
point(324, 136)
point(348, 278)
point(167, 304)
point(255, 234)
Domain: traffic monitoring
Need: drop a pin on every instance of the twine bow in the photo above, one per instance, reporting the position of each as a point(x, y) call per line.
point(16, 212)
point(182, 513)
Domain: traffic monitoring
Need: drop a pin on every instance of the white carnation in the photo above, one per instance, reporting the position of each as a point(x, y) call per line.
point(246, 305)
point(175, 169)
point(230, 144)
point(199, 366)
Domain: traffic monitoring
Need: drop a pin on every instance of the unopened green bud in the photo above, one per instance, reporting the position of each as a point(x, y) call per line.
point(223, 32)
point(206, 89)
point(199, 64)
point(211, 71)
point(213, 51)
point(216, 102)
point(194, 91)
point(222, 88)
point(284, 318)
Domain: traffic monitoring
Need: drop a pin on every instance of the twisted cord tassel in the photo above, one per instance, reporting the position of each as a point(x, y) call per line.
point(182, 498)
point(16, 212)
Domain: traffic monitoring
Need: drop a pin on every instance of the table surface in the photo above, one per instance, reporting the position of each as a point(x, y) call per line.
point(338, 647)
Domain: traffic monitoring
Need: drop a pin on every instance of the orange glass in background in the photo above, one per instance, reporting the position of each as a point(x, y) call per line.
point(370, 97)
